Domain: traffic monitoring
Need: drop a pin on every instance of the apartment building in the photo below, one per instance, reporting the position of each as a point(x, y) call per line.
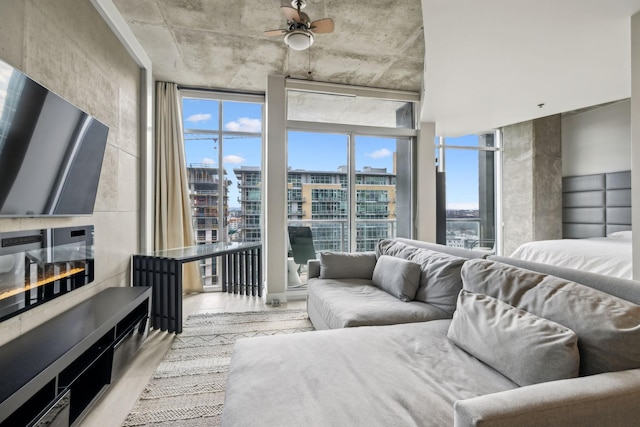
point(319, 199)
point(206, 201)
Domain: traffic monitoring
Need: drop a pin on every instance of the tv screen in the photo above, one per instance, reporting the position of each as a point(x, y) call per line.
point(50, 151)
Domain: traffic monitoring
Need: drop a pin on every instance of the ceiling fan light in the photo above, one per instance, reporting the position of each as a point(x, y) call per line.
point(299, 39)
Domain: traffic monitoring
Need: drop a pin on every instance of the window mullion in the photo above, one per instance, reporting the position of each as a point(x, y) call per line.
point(222, 236)
point(351, 197)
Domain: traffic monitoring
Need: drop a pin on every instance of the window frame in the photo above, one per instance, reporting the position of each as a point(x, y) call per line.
point(352, 131)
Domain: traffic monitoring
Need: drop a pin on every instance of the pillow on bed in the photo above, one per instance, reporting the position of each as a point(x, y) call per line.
point(345, 265)
point(397, 276)
point(622, 235)
point(523, 347)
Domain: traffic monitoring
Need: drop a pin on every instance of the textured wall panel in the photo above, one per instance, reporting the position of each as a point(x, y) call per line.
point(584, 215)
point(583, 183)
point(589, 200)
point(584, 199)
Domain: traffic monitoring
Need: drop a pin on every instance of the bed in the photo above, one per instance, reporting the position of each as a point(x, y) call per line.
point(609, 255)
point(596, 224)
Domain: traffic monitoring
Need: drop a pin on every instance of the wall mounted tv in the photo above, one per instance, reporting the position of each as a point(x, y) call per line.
point(50, 151)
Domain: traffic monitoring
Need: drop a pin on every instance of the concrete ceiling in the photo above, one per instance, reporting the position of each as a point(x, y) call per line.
point(488, 63)
point(220, 43)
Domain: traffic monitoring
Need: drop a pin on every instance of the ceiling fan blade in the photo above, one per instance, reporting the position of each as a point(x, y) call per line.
point(322, 26)
point(274, 32)
point(291, 14)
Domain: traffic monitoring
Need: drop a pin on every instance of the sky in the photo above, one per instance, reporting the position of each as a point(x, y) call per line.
point(461, 167)
point(309, 151)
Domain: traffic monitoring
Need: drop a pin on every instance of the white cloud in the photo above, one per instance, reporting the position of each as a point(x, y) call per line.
point(233, 159)
point(244, 124)
point(379, 154)
point(200, 117)
point(208, 161)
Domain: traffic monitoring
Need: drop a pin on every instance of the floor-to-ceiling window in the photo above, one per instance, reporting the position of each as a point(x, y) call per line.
point(350, 166)
point(223, 154)
point(383, 189)
point(469, 168)
point(317, 195)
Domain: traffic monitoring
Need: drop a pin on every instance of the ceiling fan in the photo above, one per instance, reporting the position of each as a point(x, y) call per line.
point(300, 29)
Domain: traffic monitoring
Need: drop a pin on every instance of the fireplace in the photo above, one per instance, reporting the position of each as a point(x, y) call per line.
point(39, 265)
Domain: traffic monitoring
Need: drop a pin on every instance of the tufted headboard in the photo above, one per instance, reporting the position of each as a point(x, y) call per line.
point(596, 205)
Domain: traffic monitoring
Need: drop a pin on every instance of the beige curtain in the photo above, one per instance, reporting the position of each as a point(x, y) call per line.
point(173, 226)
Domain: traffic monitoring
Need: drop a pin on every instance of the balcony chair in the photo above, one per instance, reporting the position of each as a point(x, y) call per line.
point(301, 241)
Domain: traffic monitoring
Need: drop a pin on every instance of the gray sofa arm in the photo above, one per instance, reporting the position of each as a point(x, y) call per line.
point(313, 269)
point(598, 400)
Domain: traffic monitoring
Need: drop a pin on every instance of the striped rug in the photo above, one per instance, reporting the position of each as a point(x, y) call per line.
point(188, 386)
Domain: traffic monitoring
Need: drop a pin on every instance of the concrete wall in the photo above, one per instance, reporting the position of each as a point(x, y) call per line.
point(597, 140)
point(635, 140)
point(532, 182)
point(66, 46)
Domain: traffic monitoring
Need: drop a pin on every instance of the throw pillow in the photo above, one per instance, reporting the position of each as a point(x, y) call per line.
point(397, 276)
point(523, 347)
point(440, 280)
point(345, 265)
point(608, 327)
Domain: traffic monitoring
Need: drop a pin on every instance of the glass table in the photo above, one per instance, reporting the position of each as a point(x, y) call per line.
point(240, 273)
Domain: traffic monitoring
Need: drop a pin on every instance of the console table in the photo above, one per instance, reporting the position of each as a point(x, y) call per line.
point(52, 374)
point(241, 272)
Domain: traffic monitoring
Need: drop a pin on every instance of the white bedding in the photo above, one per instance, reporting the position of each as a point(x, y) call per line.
point(610, 255)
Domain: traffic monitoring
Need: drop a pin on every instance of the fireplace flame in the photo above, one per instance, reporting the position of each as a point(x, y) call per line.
point(33, 285)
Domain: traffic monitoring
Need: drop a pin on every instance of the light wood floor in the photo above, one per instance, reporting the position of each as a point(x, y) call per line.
point(114, 405)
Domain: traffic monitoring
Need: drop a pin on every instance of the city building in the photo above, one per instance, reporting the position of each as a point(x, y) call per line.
point(319, 199)
point(249, 179)
point(204, 193)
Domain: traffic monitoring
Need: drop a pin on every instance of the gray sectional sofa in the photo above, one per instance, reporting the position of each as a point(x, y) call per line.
point(521, 347)
point(343, 291)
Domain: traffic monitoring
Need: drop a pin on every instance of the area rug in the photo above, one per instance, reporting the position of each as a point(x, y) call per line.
point(188, 386)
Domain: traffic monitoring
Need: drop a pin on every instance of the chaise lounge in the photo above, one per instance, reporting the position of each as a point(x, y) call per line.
point(523, 348)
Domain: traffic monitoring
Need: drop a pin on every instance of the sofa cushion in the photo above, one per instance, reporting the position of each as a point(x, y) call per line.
point(342, 303)
point(399, 277)
point(531, 349)
point(397, 375)
point(345, 265)
point(608, 327)
point(440, 280)
point(394, 248)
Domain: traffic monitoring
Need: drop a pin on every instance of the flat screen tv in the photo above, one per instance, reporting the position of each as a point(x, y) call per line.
point(50, 151)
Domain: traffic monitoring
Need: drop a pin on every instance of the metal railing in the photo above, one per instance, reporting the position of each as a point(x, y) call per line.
point(333, 235)
point(465, 233)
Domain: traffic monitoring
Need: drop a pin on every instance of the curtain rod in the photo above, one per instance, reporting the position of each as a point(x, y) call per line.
point(233, 92)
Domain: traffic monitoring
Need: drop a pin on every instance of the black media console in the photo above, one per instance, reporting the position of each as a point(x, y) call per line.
point(52, 374)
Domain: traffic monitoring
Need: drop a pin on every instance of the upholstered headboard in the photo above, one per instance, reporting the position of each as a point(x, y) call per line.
point(595, 205)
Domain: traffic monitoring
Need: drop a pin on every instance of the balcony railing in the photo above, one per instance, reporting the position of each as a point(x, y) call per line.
point(205, 223)
point(333, 235)
point(465, 233)
point(246, 225)
point(204, 193)
point(250, 212)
